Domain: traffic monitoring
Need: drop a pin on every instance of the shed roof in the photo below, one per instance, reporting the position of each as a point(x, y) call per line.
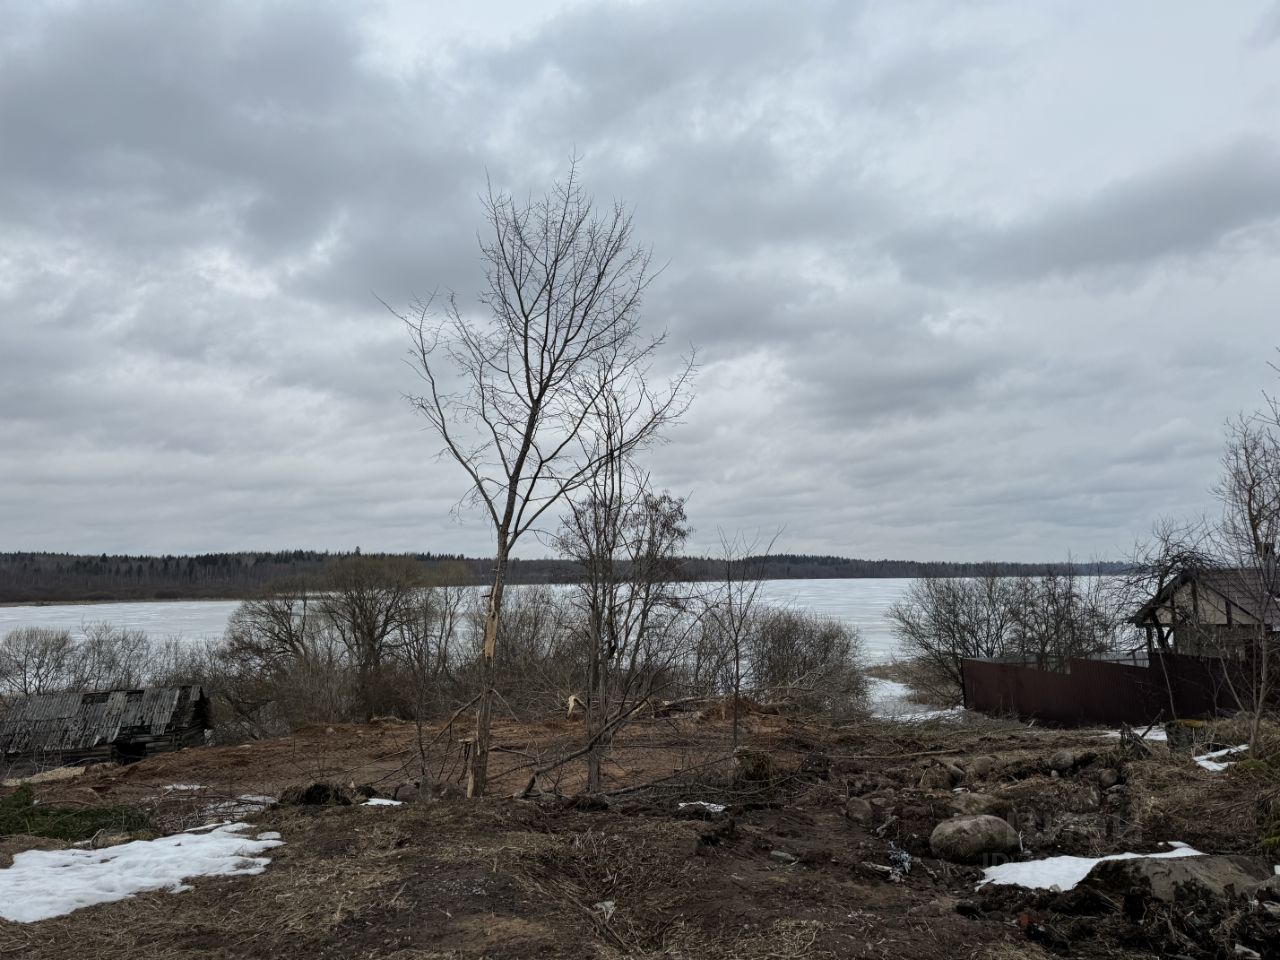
point(1239, 586)
point(67, 722)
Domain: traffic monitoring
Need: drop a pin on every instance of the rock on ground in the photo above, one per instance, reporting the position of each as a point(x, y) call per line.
point(965, 839)
point(1161, 878)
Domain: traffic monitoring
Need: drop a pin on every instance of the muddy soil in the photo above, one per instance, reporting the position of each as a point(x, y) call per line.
point(784, 871)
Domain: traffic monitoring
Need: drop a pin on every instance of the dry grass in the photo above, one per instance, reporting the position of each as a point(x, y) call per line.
point(502, 878)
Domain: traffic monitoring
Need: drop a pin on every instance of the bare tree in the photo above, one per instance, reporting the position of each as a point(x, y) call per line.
point(1246, 538)
point(731, 608)
point(513, 396)
point(366, 601)
point(1039, 621)
point(35, 660)
point(626, 541)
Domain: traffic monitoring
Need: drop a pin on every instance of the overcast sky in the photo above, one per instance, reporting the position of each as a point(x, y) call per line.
point(966, 280)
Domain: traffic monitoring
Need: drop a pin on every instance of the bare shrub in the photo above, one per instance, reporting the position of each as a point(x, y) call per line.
point(807, 661)
point(1040, 621)
point(35, 660)
point(113, 658)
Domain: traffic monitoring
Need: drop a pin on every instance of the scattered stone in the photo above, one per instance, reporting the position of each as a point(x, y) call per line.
point(406, 792)
point(937, 777)
point(982, 767)
point(1063, 761)
point(859, 810)
point(965, 839)
point(1108, 778)
point(817, 855)
point(314, 795)
point(781, 856)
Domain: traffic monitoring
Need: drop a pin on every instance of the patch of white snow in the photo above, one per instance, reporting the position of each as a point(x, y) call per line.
point(382, 802)
point(1211, 762)
point(50, 883)
point(704, 805)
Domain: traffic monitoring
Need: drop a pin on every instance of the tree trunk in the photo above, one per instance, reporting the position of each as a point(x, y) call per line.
point(595, 700)
point(478, 762)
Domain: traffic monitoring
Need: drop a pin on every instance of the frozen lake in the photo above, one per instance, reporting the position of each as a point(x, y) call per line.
point(861, 603)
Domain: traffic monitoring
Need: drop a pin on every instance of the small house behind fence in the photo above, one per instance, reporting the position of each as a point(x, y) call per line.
point(1202, 630)
point(120, 725)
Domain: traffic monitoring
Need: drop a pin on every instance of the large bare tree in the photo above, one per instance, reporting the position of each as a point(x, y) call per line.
point(513, 392)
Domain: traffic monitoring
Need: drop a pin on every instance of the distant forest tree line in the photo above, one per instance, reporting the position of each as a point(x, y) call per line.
point(60, 577)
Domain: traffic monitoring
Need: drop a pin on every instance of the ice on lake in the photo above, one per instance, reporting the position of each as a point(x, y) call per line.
point(861, 603)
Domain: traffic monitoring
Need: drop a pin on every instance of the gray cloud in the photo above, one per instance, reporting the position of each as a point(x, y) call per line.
point(906, 351)
point(1182, 209)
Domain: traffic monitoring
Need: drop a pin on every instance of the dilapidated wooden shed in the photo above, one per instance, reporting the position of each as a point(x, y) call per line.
point(120, 725)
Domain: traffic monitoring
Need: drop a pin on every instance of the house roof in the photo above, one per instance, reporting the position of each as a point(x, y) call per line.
point(1240, 587)
point(68, 722)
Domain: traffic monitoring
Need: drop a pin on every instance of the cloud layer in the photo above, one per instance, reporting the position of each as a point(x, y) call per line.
point(966, 281)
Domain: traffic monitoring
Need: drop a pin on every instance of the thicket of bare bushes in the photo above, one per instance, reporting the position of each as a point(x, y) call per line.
point(284, 662)
point(1039, 621)
point(41, 660)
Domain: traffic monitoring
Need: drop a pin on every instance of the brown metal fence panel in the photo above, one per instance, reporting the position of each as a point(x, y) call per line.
point(1101, 691)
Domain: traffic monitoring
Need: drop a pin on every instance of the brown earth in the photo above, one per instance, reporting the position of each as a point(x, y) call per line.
point(783, 873)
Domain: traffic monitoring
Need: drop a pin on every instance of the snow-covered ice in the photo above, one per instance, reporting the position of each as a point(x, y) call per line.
point(1065, 872)
point(50, 883)
point(1211, 761)
point(704, 805)
point(382, 802)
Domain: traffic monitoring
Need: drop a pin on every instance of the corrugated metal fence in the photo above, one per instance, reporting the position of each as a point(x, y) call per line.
point(1105, 691)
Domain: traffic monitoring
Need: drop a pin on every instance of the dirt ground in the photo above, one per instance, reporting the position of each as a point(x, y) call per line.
point(783, 872)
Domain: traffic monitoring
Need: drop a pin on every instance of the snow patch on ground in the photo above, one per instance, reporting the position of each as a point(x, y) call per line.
point(891, 700)
point(1063, 873)
point(1211, 761)
point(703, 805)
point(382, 802)
point(50, 883)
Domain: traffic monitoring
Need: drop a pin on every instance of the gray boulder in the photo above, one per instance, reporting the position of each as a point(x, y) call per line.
point(938, 777)
point(859, 810)
point(1163, 877)
point(966, 839)
point(1063, 761)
